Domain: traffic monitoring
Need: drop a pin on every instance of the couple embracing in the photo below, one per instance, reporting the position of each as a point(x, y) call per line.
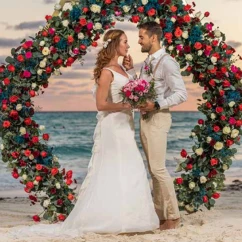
point(115, 196)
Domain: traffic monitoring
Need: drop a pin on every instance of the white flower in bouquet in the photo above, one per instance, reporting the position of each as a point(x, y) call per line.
point(200, 52)
point(185, 34)
point(214, 59)
point(95, 8)
point(81, 36)
point(24, 176)
point(65, 23)
point(22, 130)
point(217, 33)
point(57, 185)
point(42, 43)
point(41, 127)
point(144, 2)
point(126, 8)
point(42, 64)
point(208, 139)
point(46, 203)
point(98, 26)
point(218, 146)
point(213, 116)
point(203, 179)
point(39, 72)
point(19, 107)
point(171, 48)
point(226, 130)
point(225, 167)
point(58, 7)
point(192, 185)
point(234, 133)
point(199, 151)
point(189, 57)
point(231, 104)
point(46, 51)
point(2, 146)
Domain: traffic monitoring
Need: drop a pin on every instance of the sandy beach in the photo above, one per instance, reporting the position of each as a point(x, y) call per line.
point(221, 224)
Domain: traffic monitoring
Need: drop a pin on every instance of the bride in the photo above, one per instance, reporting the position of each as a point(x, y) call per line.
point(115, 196)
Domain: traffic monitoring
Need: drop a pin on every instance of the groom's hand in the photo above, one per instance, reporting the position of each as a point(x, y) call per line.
point(148, 107)
point(128, 62)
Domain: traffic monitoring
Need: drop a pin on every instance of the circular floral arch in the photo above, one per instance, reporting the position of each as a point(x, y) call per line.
point(197, 46)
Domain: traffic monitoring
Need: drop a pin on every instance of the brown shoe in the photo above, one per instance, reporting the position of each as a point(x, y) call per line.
point(169, 224)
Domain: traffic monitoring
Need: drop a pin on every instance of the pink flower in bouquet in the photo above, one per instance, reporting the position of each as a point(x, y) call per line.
point(28, 54)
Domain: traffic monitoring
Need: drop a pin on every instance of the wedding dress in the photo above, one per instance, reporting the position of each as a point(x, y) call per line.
point(115, 196)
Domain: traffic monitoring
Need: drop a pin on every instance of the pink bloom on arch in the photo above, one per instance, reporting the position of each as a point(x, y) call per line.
point(118, 13)
point(234, 69)
point(75, 51)
point(90, 26)
point(207, 52)
point(27, 74)
point(51, 31)
point(29, 43)
point(28, 54)
point(232, 120)
point(209, 27)
point(179, 47)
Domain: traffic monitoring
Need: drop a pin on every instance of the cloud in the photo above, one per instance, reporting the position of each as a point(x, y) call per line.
point(49, 1)
point(73, 93)
point(234, 43)
point(70, 85)
point(2, 58)
point(74, 75)
point(27, 25)
point(6, 42)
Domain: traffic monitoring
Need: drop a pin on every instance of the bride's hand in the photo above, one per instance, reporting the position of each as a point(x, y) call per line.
point(127, 106)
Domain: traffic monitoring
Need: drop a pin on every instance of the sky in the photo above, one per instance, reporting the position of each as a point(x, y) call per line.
point(72, 90)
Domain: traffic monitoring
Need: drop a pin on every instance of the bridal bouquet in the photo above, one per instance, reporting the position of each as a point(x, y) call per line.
point(137, 92)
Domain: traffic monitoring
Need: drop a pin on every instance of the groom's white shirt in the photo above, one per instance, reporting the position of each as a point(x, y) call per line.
point(169, 84)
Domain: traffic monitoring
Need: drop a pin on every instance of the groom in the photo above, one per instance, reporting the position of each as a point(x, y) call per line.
point(171, 91)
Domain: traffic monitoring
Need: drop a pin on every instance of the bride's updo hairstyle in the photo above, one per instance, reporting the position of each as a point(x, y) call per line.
point(111, 42)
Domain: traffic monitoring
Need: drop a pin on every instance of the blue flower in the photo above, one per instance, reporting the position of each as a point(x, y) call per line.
point(62, 44)
point(233, 96)
point(75, 14)
point(19, 139)
point(195, 35)
point(169, 26)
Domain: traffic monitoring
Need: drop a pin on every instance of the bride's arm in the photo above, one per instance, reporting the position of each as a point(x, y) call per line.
point(103, 88)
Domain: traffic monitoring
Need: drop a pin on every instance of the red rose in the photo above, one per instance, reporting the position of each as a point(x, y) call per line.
point(56, 39)
point(198, 45)
point(208, 105)
point(214, 162)
point(94, 44)
point(20, 58)
point(85, 10)
point(187, 18)
point(219, 109)
point(32, 93)
point(15, 154)
point(216, 128)
point(212, 83)
point(28, 121)
point(59, 61)
point(221, 92)
point(239, 123)
point(226, 83)
point(83, 22)
point(46, 136)
point(200, 121)
point(54, 171)
point(215, 42)
point(173, 8)
point(6, 81)
point(183, 153)
point(135, 19)
point(2, 69)
point(48, 69)
point(108, 1)
point(13, 114)
point(62, 217)
point(178, 32)
point(223, 118)
point(59, 202)
point(36, 218)
point(13, 99)
point(216, 195)
point(187, 7)
point(189, 68)
point(70, 196)
point(83, 47)
point(140, 9)
point(205, 199)
point(28, 104)
point(151, 12)
point(69, 182)
point(35, 139)
point(29, 185)
point(229, 142)
point(11, 68)
point(43, 154)
point(224, 46)
point(4, 106)
point(189, 166)
point(38, 178)
point(212, 173)
point(69, 174)
point(223, 69)
point(39, 167)
point(27, 152)
point(6, 124)
point(33, 198)
point(206, 14)
point(53, 191)
point(179, 181)
point(70, 39)
point(15, 173)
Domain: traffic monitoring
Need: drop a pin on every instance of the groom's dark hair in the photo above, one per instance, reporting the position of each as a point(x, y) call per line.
point(152, 28)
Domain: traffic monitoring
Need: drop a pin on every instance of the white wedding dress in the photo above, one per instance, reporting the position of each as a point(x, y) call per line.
point(115, 196)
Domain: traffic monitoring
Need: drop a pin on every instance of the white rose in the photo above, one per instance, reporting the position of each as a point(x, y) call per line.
point(36, 183)
point(209, 139)
point(57, 185)
point(217, 33)
point(199, 151)
point(189, 208)
point(218, 146)
point(58, 7)
point(157, 20)
point(19, 107)
point(215, 184)
point(55, 158)
point(193, 134)
point(225, 167)
point(41, 28)
point(231, 104)
point(241, 81)
point(213, 116)
point(24, 176)
point(42, 64)
point(31, 157)
point(34, 85)
point(234, 133)
point(81, 36)
point(39, 72)
point(126, 8)
point(67, 7)
point(57, 72)
point(42, 43)
point(2, 146)
point(46, 203)
point(41, 127)
point(173, 19)
point(22, 130)
point(95, 8)
point(192, 185)
point(214, 59)
point(144, 2)
point(46, 51)
point(203, 179)
point(185, 34)
point(98, 26)
point(200, 52)
point(226, 130)
point(189, 57)
point(65, 23)
point(198, 14)
point(171, 48)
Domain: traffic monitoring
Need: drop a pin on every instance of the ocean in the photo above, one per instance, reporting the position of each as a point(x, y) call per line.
point(71, 136)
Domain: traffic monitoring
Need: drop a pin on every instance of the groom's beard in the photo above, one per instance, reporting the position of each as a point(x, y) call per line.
point(145, 49)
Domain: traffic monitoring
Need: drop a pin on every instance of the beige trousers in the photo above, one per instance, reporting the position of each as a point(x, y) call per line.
point(153, 134)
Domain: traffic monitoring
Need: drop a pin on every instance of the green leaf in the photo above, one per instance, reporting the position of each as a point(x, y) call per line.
point(13, 51)
point(9, 60)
